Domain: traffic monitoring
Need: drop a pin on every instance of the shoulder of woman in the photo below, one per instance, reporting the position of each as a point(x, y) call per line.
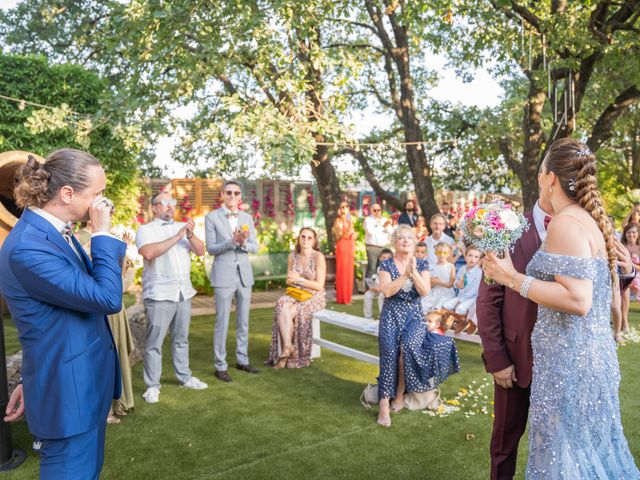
point(386, 264)
point(566, 235)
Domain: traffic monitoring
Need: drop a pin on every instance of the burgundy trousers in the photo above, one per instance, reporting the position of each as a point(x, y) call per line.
point(511, 409)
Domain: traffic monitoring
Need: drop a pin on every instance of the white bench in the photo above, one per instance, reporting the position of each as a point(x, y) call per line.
point(358, 324)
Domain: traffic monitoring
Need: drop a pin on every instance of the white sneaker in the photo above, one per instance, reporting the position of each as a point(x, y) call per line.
point(194, 384)
point(152, 395)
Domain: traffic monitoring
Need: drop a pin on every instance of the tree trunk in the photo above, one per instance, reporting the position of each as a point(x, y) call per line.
point(329, 188)
point(398, 71)
point(533, 141)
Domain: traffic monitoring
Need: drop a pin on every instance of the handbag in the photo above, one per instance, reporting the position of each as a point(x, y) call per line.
point(369, 395)
point(429, 400)
point(298, 294)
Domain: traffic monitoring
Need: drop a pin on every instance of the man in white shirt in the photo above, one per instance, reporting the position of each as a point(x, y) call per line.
point(376, 237)
point(166, 247)
point(437, 224)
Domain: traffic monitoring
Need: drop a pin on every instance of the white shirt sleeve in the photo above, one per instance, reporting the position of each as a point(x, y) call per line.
point(144, 236)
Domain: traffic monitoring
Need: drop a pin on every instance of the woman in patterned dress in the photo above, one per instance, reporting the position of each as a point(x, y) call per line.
point(291, 338)
point(412, 359)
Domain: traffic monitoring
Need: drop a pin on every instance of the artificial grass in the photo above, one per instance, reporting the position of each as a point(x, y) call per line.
point(304, 423)
point(11, 342)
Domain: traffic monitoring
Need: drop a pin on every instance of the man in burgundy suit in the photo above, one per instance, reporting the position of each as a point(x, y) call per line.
point(505, 323)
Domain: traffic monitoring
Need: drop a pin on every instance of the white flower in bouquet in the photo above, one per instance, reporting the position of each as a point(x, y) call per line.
point(510, 219)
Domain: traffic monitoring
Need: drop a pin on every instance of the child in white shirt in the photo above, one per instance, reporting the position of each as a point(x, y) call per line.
point(467, 282)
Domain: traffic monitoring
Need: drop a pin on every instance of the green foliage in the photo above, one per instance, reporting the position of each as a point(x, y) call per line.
point(200, 275)
point(272, 238)
point(33, 79)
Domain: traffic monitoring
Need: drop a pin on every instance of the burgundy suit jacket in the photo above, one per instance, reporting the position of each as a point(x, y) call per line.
point(506, 320)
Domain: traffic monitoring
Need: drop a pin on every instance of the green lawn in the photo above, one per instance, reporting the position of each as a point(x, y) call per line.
point(304, 423)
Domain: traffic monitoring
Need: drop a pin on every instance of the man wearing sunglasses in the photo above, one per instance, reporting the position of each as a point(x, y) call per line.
point(166, 247)
point(231, 236)
point(376, 237)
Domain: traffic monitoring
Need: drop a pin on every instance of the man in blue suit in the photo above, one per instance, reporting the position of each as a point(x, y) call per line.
point(58, 299)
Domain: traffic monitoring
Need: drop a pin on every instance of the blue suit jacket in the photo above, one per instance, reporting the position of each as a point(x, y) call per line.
point(58, 302)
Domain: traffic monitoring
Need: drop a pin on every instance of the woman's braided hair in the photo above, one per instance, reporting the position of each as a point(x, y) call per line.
point(575, 166)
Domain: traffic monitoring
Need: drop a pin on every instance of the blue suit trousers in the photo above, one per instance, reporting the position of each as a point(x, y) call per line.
point(74, 458)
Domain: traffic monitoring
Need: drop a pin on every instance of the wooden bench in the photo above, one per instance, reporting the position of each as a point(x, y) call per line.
point(358, 324)
point(269, 266)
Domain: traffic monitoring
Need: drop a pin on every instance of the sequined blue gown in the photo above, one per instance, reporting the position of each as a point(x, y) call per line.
point(429, 358)
point(574, 419)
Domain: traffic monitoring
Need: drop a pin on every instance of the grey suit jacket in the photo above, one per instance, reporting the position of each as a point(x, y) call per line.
point(228, 256)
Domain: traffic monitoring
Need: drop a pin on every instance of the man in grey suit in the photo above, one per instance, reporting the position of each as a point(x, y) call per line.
point(231, 236)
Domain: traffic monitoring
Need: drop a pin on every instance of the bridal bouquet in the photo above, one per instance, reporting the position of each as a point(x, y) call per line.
point(493, 227)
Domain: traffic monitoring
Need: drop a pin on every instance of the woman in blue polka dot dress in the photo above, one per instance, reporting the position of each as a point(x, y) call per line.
point(412, 359)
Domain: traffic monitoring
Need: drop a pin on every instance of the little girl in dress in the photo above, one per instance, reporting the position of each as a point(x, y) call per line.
point(443, 275)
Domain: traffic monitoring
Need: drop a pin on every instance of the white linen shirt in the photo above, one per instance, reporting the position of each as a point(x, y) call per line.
point(375, 233)
point(167, 277)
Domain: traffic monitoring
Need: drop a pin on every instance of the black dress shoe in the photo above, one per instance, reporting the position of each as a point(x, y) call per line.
point(247, 368)
point(222, 375)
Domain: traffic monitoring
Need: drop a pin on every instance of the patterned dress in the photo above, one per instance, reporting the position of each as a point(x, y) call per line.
point(429, 358)
point(575, 430)
point(302, 335)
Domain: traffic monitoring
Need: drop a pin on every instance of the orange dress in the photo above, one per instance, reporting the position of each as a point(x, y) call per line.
point(345, 258)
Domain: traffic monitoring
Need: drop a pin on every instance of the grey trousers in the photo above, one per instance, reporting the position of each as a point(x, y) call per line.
point(223, 297)
point(162, 316)
point(373, 253)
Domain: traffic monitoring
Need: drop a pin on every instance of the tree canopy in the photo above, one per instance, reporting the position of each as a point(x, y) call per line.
point(280, 81)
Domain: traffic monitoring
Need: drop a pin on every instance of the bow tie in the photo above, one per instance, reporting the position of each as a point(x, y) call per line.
point(168, 222)
point(67, 231)
point(547, 219)
point(232, 214)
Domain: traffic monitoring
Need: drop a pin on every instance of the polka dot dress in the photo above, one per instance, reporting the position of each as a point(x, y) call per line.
point(428, 358)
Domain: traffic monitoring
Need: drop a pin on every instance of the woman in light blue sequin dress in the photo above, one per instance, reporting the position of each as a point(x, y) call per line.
point(575, 429)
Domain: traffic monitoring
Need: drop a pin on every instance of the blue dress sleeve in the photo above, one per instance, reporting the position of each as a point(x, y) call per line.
point(583, 268)
point(422, 265)
point(385, 266)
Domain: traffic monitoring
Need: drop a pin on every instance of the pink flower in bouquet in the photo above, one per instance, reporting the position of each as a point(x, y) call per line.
point(470, 213)
point(478, 231)
point(496, 223)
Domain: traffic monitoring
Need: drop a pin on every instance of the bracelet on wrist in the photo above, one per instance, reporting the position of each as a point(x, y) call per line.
point(524, 286)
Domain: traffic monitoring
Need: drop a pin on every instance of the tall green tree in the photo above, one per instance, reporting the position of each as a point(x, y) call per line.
point(582, 47)
point(76, 94)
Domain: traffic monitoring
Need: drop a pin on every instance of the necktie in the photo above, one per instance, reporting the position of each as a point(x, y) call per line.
point(232, 214)
point(67, 231)
point(168, 222)
point(547, 219)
